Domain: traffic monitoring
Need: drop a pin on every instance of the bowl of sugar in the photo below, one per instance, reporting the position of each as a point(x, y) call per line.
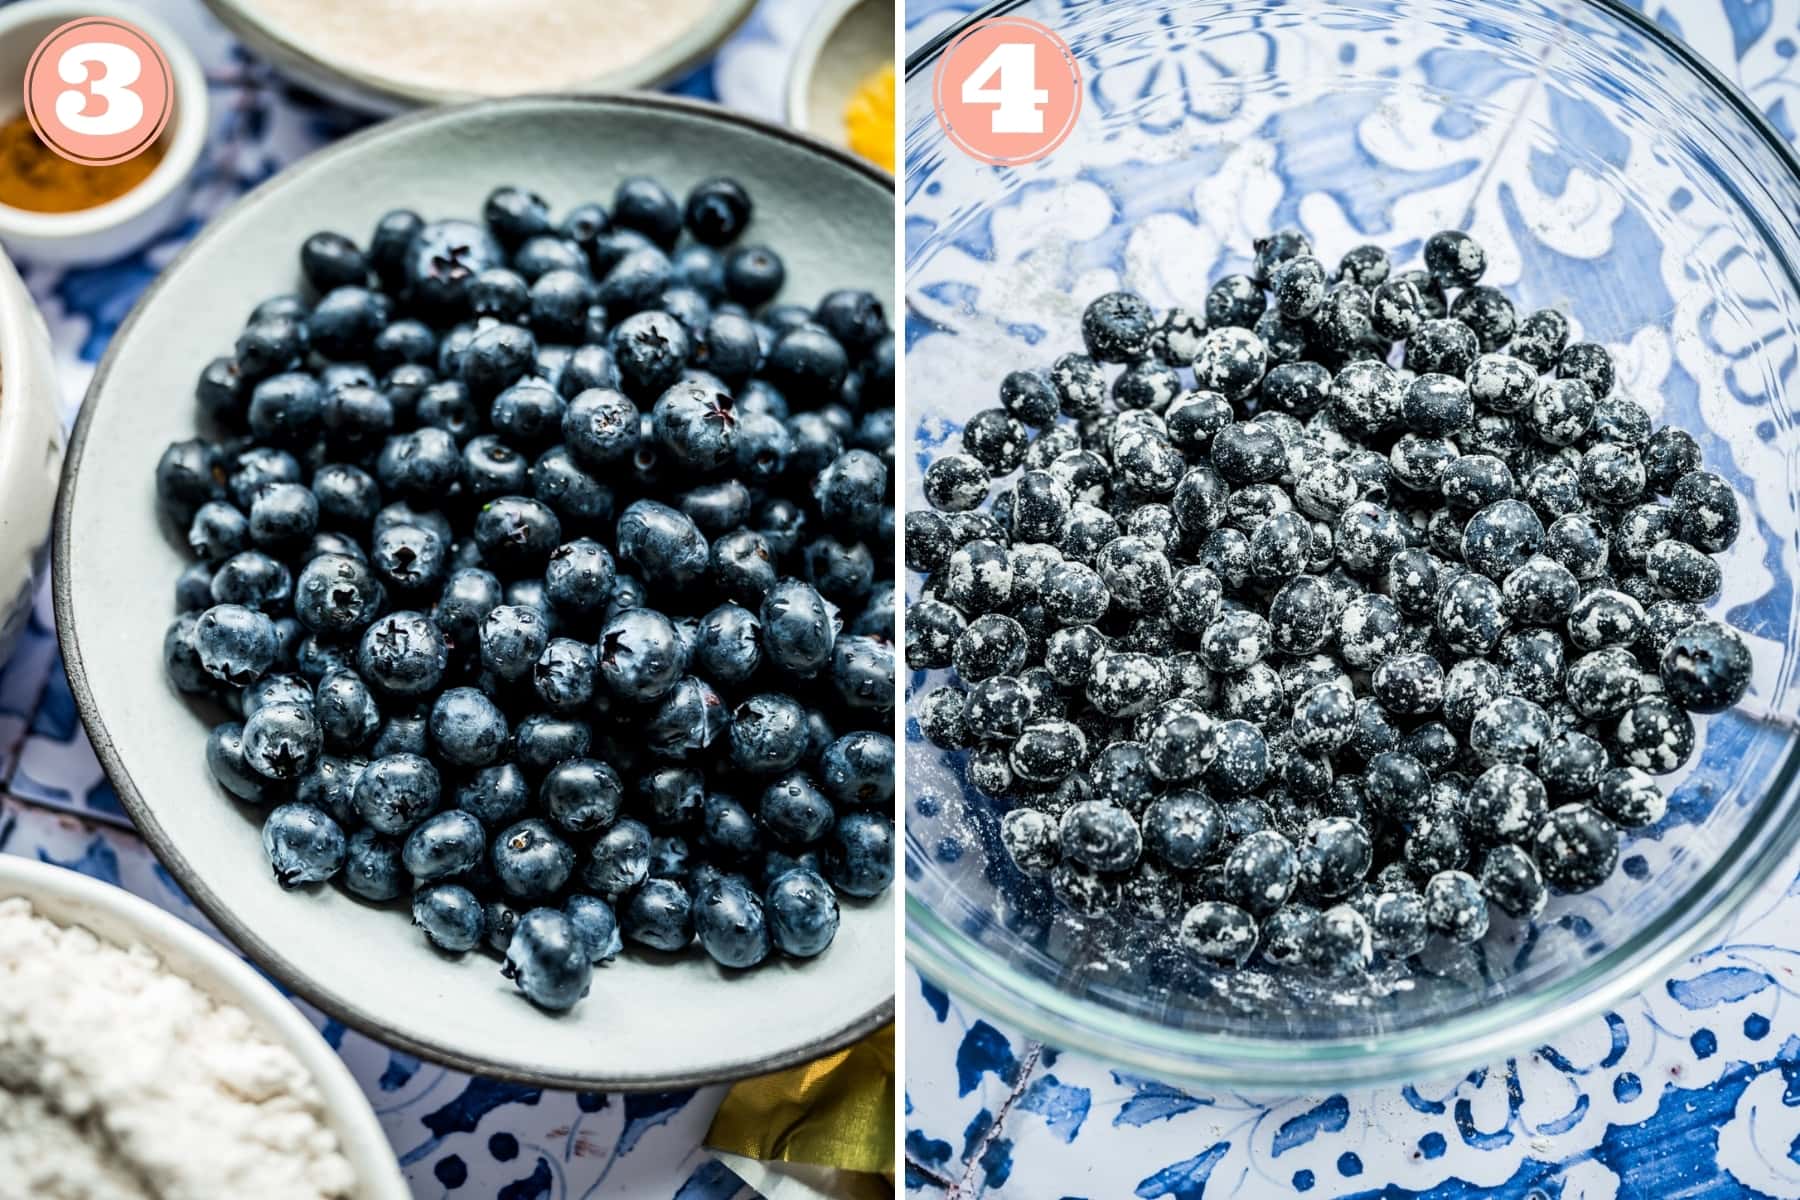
point(183, 1060)
point(387, 56)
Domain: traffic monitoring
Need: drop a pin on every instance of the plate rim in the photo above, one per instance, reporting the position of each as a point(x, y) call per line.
point(143, 817)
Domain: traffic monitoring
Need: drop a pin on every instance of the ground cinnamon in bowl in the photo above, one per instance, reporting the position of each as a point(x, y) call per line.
point(36, 178)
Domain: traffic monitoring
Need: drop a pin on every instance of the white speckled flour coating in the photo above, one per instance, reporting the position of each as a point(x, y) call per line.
point(120, 1080)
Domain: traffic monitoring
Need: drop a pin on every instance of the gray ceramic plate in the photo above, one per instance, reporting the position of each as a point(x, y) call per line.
point(644, 1025)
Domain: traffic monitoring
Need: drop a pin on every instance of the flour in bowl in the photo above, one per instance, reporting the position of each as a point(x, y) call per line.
point(120, 1080)
point(489, 47)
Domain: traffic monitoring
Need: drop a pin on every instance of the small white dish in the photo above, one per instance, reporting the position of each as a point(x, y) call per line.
point(646, 1024)
point(31, 450)
point(847, 42)
point(119, 226)
point(115, 915)
point(356, 86)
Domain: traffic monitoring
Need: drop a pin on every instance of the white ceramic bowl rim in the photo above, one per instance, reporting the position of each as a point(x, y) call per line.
point(668, 62)
point(186, 136)
point(17, 327)
point(825, 23)
point(143, 815)
point(359, 1132)
point(1064, 1018)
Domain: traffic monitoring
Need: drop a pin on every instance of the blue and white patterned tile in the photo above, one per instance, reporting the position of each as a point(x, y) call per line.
point(56, 767)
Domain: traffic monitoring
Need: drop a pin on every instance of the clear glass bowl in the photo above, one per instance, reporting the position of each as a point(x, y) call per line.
point(1610, 173)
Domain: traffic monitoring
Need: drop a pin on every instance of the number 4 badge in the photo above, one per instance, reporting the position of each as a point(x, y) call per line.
point(1018, 101)
point(1007, 91)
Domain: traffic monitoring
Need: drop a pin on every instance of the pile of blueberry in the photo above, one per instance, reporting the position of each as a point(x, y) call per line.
point(547, 567)
point(1309, 626)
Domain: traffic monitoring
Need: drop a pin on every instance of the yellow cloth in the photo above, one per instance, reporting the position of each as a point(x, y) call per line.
point(869, 118)
point(837, 1111)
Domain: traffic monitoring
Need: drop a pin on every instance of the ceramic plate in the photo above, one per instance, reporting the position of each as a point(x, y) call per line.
point(644, 1025)
point(115, 915)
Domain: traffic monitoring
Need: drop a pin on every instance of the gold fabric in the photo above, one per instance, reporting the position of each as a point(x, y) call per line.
point(837, 1111)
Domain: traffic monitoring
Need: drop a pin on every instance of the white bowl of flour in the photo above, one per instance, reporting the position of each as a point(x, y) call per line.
point(387, 56)
point(140, 1058)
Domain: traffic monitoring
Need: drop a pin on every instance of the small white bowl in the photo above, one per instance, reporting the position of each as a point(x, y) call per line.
point(31, 450)
point(846, 42)
point(354, 85)
point(115, 915)
point(119, 226)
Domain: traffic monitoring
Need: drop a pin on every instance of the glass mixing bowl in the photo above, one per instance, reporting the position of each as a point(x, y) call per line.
point(1610, 173)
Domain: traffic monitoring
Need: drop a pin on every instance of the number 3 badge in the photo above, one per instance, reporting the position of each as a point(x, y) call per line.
point(98, 90)
point(1007, 91)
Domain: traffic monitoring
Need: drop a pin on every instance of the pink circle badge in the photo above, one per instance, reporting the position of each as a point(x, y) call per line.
point(1007, 91)
point(98, 90)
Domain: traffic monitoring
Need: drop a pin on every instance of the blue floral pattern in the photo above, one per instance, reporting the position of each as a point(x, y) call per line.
point(1690, 1088)
point(456, 1135)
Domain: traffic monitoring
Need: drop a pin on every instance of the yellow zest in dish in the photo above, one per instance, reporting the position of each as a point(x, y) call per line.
point(869, 118)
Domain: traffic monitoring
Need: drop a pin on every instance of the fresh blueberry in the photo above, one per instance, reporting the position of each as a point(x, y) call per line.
point(549, 959)
point(662, 543)
point(255, 580)
point(802, 913)
point(717, 211)
point(269, 345)
point(282, 740)
point(619, 860)
point(798, 630)
point(236, 644)
point(597, 924)
point(649, 349)
point(729, 919)
point(372, 868)
point(496, 795)
point(753, 275)
point(859, 854)
point(531, 861)
point(795, 811)
point(450, 843)
point(303, 845)
point(225, 759)
point(768, 733)
point(450, 915)
point(512, 638)
point(639, 655)
point(402, 654)
point(516, 534)
point(696, 425)
point(659, 914)
point(858, 769)
point(581, 795)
